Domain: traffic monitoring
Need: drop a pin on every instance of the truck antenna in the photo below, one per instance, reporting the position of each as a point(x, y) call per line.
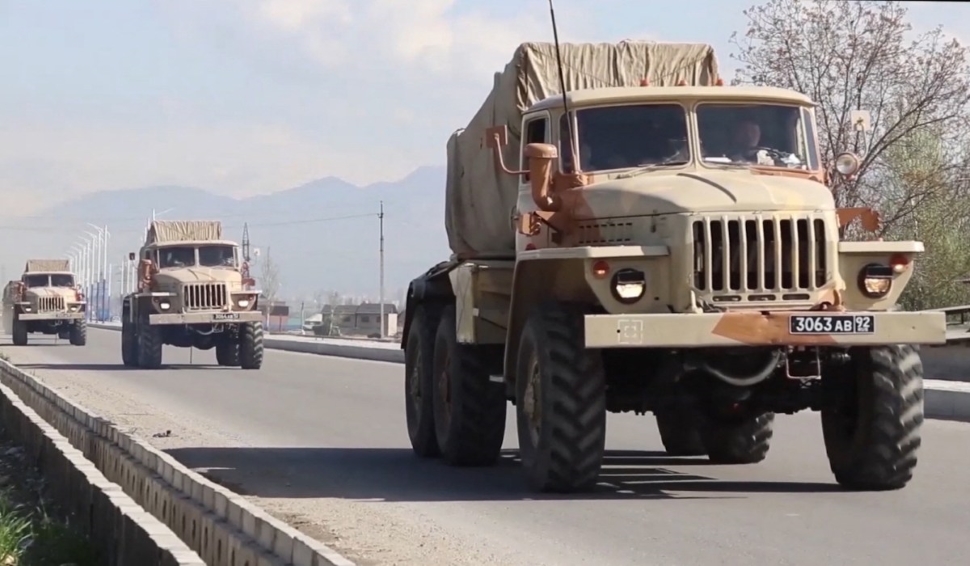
point(562, 86)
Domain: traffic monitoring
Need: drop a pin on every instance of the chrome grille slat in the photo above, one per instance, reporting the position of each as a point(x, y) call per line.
point(51, 304)
point(205, 296)
point(759, 254)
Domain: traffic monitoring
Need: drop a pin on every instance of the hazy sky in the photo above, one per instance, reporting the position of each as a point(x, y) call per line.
point(252, 96)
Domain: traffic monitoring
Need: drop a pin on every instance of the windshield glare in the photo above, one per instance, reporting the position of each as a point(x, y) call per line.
point(37, 280)
point(755, 134)
point(62, 280)
point(620, 137)
point(217, 256)
point(176, 256)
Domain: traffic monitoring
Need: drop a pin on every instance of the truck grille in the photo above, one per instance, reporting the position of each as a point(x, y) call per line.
point(50, 304)
point(757, 254)
point(204, 296)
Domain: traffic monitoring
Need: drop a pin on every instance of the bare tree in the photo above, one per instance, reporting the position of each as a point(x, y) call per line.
point(851, 56)
point(333, 298)
point(269, 276)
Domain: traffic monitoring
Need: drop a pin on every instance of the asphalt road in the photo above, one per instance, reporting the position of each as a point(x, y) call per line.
point(322, 442)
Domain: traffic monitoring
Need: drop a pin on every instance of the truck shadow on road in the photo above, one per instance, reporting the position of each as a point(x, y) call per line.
point(395, 474)
point(113, 367)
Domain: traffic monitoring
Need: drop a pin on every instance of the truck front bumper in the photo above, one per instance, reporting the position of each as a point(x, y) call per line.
point(205, 317)
point(51, 316)
point(802, 328)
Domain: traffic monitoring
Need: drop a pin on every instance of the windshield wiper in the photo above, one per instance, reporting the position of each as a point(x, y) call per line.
point(651, 167)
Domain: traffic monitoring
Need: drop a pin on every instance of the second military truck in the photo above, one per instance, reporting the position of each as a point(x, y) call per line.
point(192, 293)
point(667, 245)
point(45, 300)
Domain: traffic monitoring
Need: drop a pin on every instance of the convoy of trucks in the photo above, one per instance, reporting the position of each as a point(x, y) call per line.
point(632, 235)
point(628, 235)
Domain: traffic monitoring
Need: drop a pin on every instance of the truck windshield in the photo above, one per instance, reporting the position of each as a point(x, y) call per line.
point(176, 256)
point(217, 256)
point(37, 280)
point(762, 134)
point(634, 135)
point(62, 280)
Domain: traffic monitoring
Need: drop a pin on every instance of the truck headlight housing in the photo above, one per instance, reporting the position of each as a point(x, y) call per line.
point(243, 303)
point(876, 281)
point(628, 285)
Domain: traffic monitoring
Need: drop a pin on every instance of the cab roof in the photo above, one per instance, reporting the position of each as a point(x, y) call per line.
point(632, 94)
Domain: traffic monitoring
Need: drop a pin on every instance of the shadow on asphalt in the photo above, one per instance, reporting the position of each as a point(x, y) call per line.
point(396, 474)
point(113, 367)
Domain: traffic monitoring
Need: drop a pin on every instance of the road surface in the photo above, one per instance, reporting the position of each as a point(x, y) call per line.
point(321, 442)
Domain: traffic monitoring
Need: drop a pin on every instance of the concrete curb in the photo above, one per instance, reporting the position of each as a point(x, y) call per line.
point(944, 399)
point(221, 526)
point(121, 530)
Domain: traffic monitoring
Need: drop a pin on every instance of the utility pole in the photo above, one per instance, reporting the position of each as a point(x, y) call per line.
point(381, 217)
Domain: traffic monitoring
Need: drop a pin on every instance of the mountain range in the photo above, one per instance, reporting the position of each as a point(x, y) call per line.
point(323, 236)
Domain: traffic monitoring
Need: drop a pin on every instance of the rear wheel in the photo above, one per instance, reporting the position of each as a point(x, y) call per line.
point(79, 332)
point(872, 417)
point(419, 380)
point(251, 345)
point(19, 332)
point(469, 409)
point(679, 432)
point(561, 401)
point(741, 439)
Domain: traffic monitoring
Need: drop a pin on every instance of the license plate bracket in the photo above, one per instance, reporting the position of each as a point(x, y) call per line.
point(819, 324)
point(226, 316)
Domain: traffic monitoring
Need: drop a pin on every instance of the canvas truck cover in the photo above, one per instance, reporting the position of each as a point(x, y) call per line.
point(479, 199)
point(47, 265)
point(165, 231)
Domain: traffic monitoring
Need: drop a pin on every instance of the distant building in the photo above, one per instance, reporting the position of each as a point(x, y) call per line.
point(363, 319)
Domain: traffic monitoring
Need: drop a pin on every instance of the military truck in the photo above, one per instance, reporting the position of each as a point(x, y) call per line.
point(667, 244)
point(45, 300)
point(191, 293)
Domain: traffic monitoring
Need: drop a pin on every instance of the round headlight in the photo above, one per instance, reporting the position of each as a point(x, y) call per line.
point(243, 303)
point(875, 281)
point(164, 305)
point(847, 164)
point(628, 285)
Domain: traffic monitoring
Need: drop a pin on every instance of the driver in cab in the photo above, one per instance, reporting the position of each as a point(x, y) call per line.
point(747, 135)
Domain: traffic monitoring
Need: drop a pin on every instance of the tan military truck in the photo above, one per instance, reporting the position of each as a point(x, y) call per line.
point(689, 263)
point(191, 294)
point(45, 300)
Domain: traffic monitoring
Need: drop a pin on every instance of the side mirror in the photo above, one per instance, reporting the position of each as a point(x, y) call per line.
point(131, 256)
point(541, 157)
point(847, 164)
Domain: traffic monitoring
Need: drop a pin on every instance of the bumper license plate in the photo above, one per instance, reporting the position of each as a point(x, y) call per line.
point(226, 316)
point(832, 324)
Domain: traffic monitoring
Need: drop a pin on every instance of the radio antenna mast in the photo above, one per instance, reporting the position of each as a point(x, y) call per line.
point(570, 135)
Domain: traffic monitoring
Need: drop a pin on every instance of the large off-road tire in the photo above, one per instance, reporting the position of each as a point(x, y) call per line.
point(129, 342)
point(561, 401)
point(469, 408)
point(227, 352)
point(419, 380)
point(79, 333)
point(872, 417)
point(251, 345)
point(149, 346)
point(19, 332)
point(679, 432)
point(737, 440)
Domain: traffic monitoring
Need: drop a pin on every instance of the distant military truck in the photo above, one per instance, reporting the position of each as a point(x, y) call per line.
point(192, 293)
point(45, 300)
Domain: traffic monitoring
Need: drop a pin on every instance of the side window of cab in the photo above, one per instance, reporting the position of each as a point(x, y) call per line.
point(535, 132)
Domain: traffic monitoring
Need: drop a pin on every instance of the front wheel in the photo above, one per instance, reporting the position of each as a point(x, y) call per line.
point(149, 346)
point(19, 332)
point(78, 334)
point(251, 345)
point(561, 401)
point(129, 343)
point(872, 417)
